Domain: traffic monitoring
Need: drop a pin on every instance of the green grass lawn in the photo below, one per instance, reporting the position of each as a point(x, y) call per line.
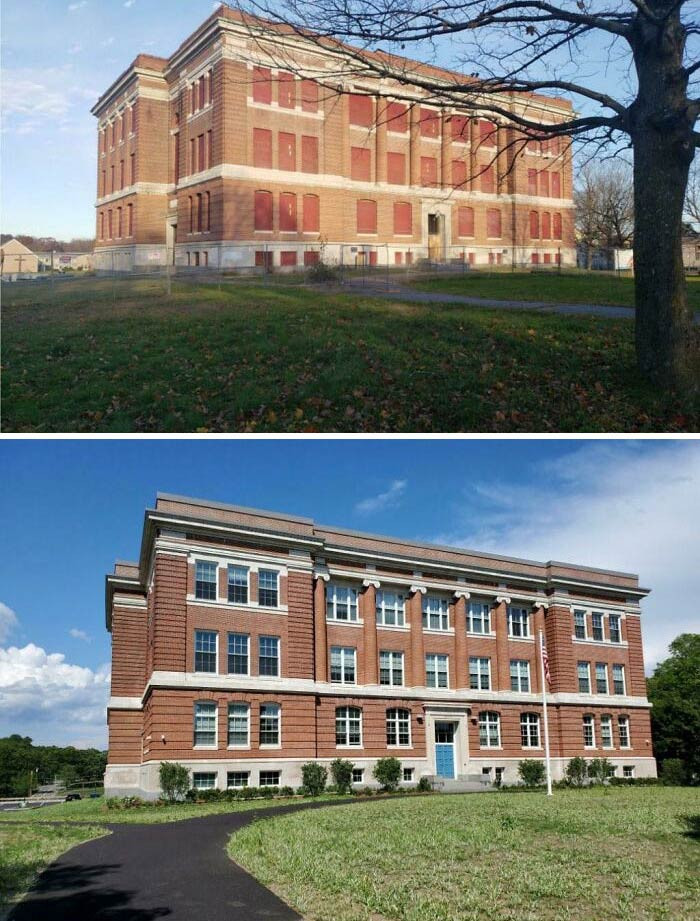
point(249, 358)
point(550, 288)
point(589, 855)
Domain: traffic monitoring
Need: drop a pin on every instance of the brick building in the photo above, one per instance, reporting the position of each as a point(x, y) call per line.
point(245, 643)
point(249, 146)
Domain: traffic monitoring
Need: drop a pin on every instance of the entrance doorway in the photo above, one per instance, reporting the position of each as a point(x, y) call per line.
point(436, 237)
point(445, 750)
point(170, 240)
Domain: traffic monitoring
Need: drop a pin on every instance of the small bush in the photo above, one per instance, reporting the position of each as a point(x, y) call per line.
point(673, 773)
point(209, 796)
point(248, 792)
point(286, 791)
point(321, 272)
point(125, 802)
point(267, 792)
point(301, 791)
point(367, 791)
point(174, 780)
point(576, 771)
point(424, 786)
point(341, 772)
point(314, 777)
point(600, 770)
point(532, 772)
point(387, 772)
point(634, 781)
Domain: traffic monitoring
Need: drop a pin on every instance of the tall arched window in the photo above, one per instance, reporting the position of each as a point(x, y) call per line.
point(530, 730)
point(398, 726)
point(348, 727)
point(489, 729)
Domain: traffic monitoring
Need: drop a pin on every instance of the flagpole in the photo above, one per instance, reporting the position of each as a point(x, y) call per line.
point(546, 724)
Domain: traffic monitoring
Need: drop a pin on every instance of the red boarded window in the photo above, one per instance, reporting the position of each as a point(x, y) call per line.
point(286, 91)
point(311, 218)
point(311, 257)
point(202, 93)
point(373, 257)
point(288, 211)
point(409, 257)
point(487, 134)
point(262, 148)
point(262, 85)
point(210, 83)
point(361, 110)
point(493, 222)
point(459, 174)
point(547, 258)
point(102, 225)
point(287, 151)
point(309, 96)
point(396, 118)
point(263, 210)
point(532, 182)
point(109, 222)
point(534, 258)
point(488, 183)
point(360, 163)
point(556, 185)
point(556, 226)
point(121, 174)
point(465, 222)
point(544, 183)
point(428, 171)
point(366, 216)
point(534, 225)
point(459, 128)
point(429, 123)
point(119, 222)
point(403, 217)
point(130, 220)
point(288, 257)
point(263, 258)
point(398, 258)
point(309, 154)
point(396, 168)
point(546, 226)
point(201, 152)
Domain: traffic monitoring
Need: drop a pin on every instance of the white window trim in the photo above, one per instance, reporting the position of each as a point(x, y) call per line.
point(270, 636)
point(247, 569)
point(269, 607)
point(200, 746)
point(537, 747)
point(626, 720)
point(247, 636)
point(498, 725)
point(591, 717)
point(270, 771)
point(606, 720)
point(235, 786)
point(343, 649)
point(381, 623)
point(520, 677)
point(436, 656)
point(270, 745)
point(216, 563)
point(479, 675)
point(353, 745)
point(235, 703)
point(442, 631)
point(589, 611)
point(490, 631)
point(578, 685)
point(392, 653)
point(398, 745)
point(624, 679)
point(607, 678)
point(216, 652)
point(337, 583)
point(583, 638)
point(509, 620)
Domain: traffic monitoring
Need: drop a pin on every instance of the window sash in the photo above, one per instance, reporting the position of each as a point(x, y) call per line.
point(343, 668)
point(584, 678)
point(269, 656)
point(489, 730)
point(205, 723)
point(623, 729)
point(436, 614)
point(390, 609)
point(618, 672)
point(518, 622)
point(529, 730)
point(614, 628)
point(597, 626)
point(348, 727)
point(203, 780)
point(479, 617)
point(601, 678)
point(239, 725)
point(580, 625)
point(606, 739)
point(520, 675)
point(238, 584)
point(205, 651)
point(205, 580)
point(237, 779)
point(588, 732)
point(390, 668)
point(269, 778)
point(238, 653)
point(268, 588)
point(269, 724)
point(341, 602)
point(479, 673)
point(398, 727)
point(436, 671)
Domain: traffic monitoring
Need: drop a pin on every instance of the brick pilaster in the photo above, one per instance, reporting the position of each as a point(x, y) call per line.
point(414, 145)
point(500, 621)
point(415, 606)
point(369, 615)
point(380, 142)
point(320, 640)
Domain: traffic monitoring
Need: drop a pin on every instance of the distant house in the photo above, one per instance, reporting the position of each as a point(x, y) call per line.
point(17, 259)
point(691, 248)
point(61, 261)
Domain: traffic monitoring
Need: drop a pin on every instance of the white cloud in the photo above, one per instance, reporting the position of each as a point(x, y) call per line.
point(79, 634)
point(129, 3)
point(8, 621)
point(107, 41)
point(75, 49)
point(384, 500)
point(613, 505)
point(73, 7)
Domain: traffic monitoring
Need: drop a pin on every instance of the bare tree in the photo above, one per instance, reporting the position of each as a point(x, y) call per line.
point(604, 203)
point(511, 48)
point(692, 195)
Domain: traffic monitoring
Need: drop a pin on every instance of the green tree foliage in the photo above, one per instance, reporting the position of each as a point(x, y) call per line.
point(313, 777)
point(387, 771)
point(674, 691)
point(532, 772)
point(576, 771)
point(174, 780)
point(673, 773)
point(19, 758)
point(600, 769)
point(341, 772)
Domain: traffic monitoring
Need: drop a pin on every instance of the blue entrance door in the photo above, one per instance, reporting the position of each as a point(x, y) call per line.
point(445, 750)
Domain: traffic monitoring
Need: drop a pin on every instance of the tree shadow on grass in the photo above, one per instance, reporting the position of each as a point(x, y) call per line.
point(692, 824)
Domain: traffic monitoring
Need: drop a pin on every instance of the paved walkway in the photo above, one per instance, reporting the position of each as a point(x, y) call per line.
point(174, 870)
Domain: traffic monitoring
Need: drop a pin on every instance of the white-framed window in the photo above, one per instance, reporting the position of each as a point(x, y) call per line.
point(358, 775)
point(390, 667)
point(205, 580)
point(238, 584)
point(398, 726)
point(348, 727)
point(606, 737)
point(584, 677)
point(588, 731)
point(205, 643)
point(489, 729)
point(238, 654)
point(205, 723)
point(235, 780)
point(580, 624)
point(408, 775)
point(436, 675)
point(618, 674)
point(628, 770)
point(341, 602)
point(479, 673)
point(529, 730)
point(238, 725)
point(436, 615)
point(269, 778)
point(270, 724)
point(597, 626)
point(623, 731)
point(518, 622)
point(614, 630)
point(520, 675)
point(204, 780)
point(478, 617)
point(268, 588)
point(343, 664)
point(391, 609)
point(269, 656)
point(601, 678)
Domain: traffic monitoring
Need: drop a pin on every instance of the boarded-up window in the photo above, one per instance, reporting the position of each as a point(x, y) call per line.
point(207, 210)
point(534, 258)
point(176, 156)
point(262, 148)
point(210, 85)
point(193, 99)
point(428, 171)
point(493, 222)
point(398, 258)
point(311, 257)
point(396, 118)
point(288, 211)
point(200, 216)
point(193, 156)
point(191, 213)
point(556, 185)
point(488, 183)
point(263, 259)
point(360, 164)
point(429, 123)
point(546, 226)
point(532, 182)
point(547, 258)
point(366, 216)
point(200, 147)
point(311, 218)
point(102, 225)
point(534, 225)
point(286, 91)
point(403, 217)
point(210, 148)
point(119, 222)
point(373, 257)
point(309, 154)
point(544, 183)
point(556, 226)
point(202, 93)
point(262, 85)
point(361, 110)
point(130, 220)
point(263, 210)
point(109, 222)
point(287, 151)
point(396, 168)
point(459, 174)
point(409, 257)
point(288, 257)
point(465, 222)
point(121, 174)
point(459, 128)
point(487, 134)
point(309, 96)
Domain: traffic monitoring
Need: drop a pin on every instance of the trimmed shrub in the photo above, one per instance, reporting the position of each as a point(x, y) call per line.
point(314, 777)
point(286, 791)
point(267, 792)
point(174, 780)
point(341, 772)
point(600, 770)
point(576, 771)
point(125, 802)
point(424, 786)
point(387, 772)
point(532, 772)
point(673, 773)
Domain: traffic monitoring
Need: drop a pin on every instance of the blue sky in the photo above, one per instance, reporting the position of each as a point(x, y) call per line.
point(69, 508)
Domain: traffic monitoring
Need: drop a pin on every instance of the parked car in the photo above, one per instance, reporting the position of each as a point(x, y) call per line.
point(73, 796)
